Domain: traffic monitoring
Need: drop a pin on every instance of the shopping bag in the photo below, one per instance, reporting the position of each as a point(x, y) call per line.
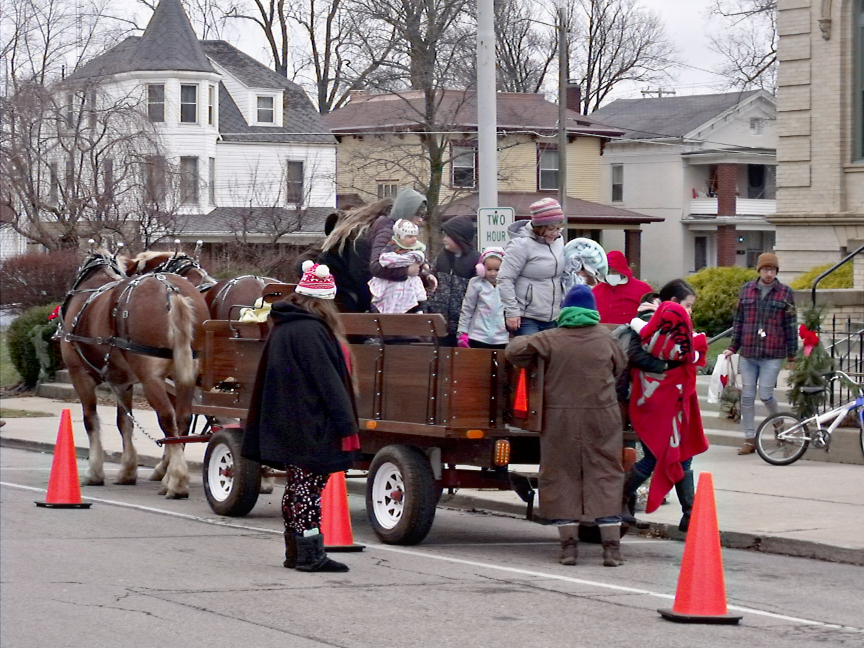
point(719, 379)
point(730, 399)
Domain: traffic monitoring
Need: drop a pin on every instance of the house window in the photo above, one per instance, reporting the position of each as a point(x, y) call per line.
point(70, 177)
point(53, 183)
point(617, 182)
point(549, 165)
point(464, 165)
point(265, 110)
point(387, 188)
point(211, 181)
point(756, 125)
point(294, 184)
point(91, 108)
point(211, 104)
point(70, 110)
point(108, 179)
point(188, 104)
point(156, 103)
point(189, 180)
point(154, 178)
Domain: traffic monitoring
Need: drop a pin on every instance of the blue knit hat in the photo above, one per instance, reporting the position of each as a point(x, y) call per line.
point(580, 295)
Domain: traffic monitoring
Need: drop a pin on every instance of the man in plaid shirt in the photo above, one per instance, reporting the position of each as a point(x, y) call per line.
point(764, 335)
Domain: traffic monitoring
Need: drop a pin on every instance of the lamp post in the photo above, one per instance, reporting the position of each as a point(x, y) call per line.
point(563, 76)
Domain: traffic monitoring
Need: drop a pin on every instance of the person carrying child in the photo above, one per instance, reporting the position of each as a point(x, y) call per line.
point(481, 323)
point(404, 249)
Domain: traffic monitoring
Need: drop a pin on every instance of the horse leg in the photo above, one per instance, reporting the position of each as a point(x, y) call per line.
point(175, 483)
point(128, 474)
point(85, 387)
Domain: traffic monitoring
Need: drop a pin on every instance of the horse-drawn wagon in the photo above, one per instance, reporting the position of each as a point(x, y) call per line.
point(431, 418)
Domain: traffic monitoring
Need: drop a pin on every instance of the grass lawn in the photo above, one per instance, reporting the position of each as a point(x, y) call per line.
point(8, 376)
point(19, 413)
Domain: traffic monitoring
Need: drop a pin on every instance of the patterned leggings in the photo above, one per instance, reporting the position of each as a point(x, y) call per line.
point(301, 503)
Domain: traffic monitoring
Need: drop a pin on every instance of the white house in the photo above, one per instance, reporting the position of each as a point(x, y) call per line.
point(706, 163)
point(251, 155)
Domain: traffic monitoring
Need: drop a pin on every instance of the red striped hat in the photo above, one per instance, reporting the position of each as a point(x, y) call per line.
point(546, 212)
point(317, 281)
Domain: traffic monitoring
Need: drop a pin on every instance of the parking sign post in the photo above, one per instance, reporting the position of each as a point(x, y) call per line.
point(492, 224)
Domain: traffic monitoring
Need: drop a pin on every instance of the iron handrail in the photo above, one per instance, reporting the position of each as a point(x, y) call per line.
point(829, 271)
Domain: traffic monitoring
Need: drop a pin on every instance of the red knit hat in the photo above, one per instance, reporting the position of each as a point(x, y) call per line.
point(317, 281)
point(546, 212)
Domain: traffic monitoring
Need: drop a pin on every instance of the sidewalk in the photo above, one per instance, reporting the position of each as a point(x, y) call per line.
point(812, 509)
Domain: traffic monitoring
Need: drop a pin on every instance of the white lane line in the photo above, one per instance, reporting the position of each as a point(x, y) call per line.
point(460, 561)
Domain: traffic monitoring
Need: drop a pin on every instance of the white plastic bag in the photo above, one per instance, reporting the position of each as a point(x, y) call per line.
point(724, 373)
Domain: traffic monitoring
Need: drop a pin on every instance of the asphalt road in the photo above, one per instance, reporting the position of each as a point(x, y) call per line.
point(139, 570)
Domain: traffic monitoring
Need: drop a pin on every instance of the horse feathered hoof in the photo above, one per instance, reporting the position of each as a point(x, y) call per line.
point(156, 476)
point(92, 481)
point(126, 481)
point(175, 495)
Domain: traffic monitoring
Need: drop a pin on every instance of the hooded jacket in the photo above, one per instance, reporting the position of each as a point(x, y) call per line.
point(530, 279)
point(454, 272)
point(405, 206)
point(618, 304)
point(303, 402)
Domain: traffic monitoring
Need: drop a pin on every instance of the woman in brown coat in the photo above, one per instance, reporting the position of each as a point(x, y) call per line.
point(581, 475)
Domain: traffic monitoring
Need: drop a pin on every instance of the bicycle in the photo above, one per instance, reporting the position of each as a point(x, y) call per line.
point(783, 438)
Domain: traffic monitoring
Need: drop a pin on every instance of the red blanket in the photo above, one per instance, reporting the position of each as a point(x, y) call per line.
point(664, 408)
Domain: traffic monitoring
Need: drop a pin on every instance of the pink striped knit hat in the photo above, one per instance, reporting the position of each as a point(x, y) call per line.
point(546, 212)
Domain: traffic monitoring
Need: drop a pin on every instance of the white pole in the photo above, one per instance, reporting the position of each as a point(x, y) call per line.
point(487, 110)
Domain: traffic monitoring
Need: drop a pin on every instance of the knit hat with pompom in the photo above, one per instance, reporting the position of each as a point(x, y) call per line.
point(317, 281)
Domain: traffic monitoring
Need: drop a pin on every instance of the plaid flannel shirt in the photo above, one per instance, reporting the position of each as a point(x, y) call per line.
point(765, 328)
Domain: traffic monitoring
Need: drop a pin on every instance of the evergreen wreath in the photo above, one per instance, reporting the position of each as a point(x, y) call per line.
point(807, 380)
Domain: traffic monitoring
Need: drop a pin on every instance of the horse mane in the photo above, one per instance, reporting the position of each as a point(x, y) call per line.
point(147, 261)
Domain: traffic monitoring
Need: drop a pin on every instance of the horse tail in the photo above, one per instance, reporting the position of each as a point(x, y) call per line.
point(181, 327)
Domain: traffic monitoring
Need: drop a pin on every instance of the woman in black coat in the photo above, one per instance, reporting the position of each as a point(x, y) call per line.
point(302, 416)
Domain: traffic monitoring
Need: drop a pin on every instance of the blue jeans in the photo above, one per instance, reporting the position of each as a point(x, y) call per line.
point(530, 326)
point(648, 462)
point(758, 373)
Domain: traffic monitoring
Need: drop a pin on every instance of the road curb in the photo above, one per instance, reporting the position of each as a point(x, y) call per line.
point(474, 502)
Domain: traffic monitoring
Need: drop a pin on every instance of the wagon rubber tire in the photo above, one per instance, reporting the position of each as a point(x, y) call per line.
point(781, 452)
point(231, 483)
point(401, 495)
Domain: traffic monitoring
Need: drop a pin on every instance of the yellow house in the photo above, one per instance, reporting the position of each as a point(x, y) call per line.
point(380, 150)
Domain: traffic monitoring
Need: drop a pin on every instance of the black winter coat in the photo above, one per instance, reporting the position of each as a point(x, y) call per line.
point(350, 269)
point(303, 403)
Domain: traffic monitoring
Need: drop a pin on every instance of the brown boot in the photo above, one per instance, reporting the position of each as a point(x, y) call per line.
point(610, 536)
point(748, 448)
point(569, 534)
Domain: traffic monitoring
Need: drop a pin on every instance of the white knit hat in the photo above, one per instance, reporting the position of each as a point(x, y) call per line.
point(403, 228)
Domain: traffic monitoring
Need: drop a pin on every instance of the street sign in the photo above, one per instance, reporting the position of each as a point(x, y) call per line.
point(492, 224)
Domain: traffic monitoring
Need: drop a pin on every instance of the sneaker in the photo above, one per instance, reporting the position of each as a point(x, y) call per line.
point(747, 448)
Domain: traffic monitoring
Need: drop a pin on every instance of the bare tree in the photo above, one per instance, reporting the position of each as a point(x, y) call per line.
point(525, 48)
point(613, 41)
point(748, 42)
point(76, 163)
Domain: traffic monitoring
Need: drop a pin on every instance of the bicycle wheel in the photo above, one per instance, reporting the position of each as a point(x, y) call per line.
point(782, 439)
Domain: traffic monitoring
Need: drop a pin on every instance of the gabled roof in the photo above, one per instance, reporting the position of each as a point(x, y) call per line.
point(256, 221)
point(300, 121)
point(168, 43)
point(672, 117)
point(457, 111)
point(578, 211)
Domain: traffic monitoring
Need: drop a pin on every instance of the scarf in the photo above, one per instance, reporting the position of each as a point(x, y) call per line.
point(576, 316)
point(664, 408)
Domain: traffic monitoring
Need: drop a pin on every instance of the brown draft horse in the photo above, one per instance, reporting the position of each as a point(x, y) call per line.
point(125, 331)
point(222, 297)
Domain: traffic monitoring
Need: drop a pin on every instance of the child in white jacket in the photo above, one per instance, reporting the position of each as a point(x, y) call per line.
point(403, 250)
point(481, 324)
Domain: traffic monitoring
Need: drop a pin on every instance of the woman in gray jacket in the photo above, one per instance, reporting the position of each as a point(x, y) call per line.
point(530, 280)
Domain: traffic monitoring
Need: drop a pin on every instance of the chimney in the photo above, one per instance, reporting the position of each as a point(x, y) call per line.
point(574, 97)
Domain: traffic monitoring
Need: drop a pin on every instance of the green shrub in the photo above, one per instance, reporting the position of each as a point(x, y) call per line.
point(840, 278)
point(717, 295)
point(22, 351)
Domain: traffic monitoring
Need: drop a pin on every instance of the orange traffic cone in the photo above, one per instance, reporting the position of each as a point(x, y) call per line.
point(701, 595)
point(520, 403)
point(335, 518)
point(63, 488)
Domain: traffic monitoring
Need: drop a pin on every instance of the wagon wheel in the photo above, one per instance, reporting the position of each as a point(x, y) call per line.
point(231, 482)
point(401, 495)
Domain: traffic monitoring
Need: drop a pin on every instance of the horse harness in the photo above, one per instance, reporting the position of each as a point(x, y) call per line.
point(182, 264)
